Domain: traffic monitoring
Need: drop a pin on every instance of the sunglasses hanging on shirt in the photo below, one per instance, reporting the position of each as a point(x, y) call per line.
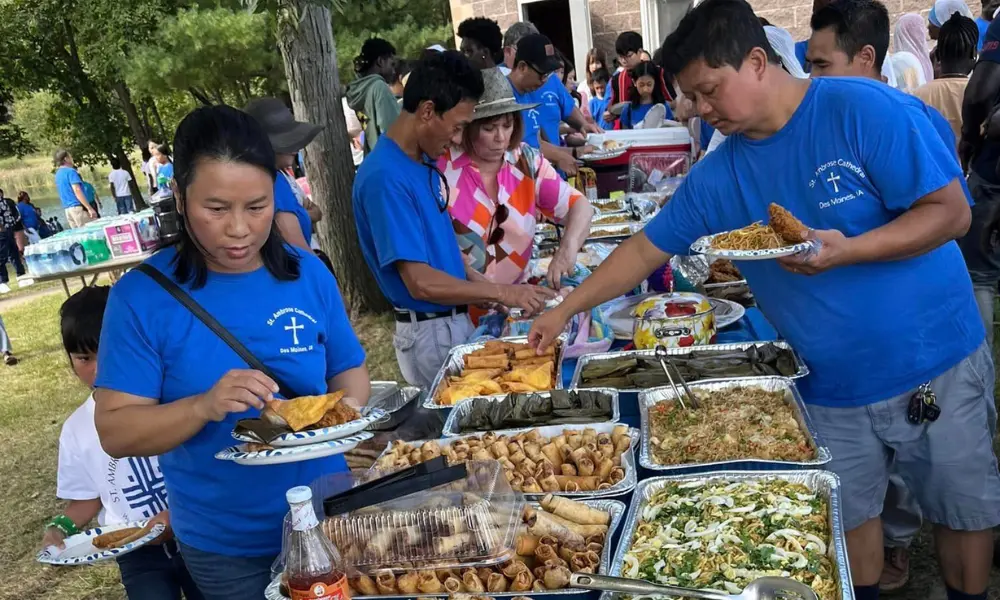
point(441, 191)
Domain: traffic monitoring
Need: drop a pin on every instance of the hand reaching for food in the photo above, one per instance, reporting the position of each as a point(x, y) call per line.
point(237, 391)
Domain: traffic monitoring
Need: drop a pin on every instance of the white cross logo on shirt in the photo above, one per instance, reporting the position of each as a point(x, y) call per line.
point(833, 179)
point(295, 334)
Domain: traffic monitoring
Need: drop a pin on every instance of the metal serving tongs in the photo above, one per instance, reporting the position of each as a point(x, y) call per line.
point(661, 354)
point(764, 588)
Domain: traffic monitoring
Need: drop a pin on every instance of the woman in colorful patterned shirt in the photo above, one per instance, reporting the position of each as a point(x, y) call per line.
point(500, 188)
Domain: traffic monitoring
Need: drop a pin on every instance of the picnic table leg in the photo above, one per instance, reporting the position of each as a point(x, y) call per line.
point(65, 286)
point(93, 279)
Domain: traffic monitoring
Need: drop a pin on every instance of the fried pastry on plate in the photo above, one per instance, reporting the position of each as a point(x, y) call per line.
point(301, 412)
point(790, 229)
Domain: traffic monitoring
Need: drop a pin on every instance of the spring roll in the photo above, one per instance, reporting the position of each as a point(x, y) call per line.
point(556, 578)
point(570, 487)
point(444, 574)
point(514, 446)
point(576, 512)
point(407, 582)
point(487, 362)
point(583, 530)
point(605, 446)
point(488, 438)
point(617, 474)
point(527, 467)
point(559, 440)
point(473, 584)
point(549, 540)
point(541, 524)
point(623, 445)
point(579, 561)
point(485, 572)
point(604, 468)
point(516, 481)
point(511, 569)
point(517, 457)
point(429, 583)
point(585, 466)
point(597, 539)
point(594, 546)
point(453, 585)
point(452, 543)
point(594, 559)
point(604, 486)
point(366, 585)
point(521, 581)
point(538, 586)
point(568, 469)
point(544, 553)
point(549, 483)
point(618, 432)
point(587, 484)
point(525, 544)
point(499, 449)
point(385, 581)
point(551, 453)
point(496, 583)
point(531, 486)
point(533, 450)
point(591, 447)
point(482, 454)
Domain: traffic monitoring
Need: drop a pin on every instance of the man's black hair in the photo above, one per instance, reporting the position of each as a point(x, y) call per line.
point(856, 24)
point(223, 133)
point(371, 51)
point(164, 149)
point(957, 42)
point(81, 316)
point(445, 79)
point(720, 32)
point(627, 43)
point(486, 33)
point(115, 164)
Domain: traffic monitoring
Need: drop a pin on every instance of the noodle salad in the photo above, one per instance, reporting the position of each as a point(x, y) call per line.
point(722, 535)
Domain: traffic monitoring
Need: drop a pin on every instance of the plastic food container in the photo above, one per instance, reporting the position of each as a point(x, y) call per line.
point(676, 320)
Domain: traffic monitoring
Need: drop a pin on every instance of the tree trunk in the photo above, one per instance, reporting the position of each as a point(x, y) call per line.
point(309, 55)
point(141, 135)
point(165, 136)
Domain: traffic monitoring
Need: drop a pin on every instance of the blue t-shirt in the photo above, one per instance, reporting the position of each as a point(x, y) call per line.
point(556, 106)
point(633, 115)
point(983, 25)
point(706, 132)
point(285, 200)
point(29, 216)
point(164, 173)
point(598, 106)
point(855, 155)
point(66, 178)
point(89, 193)
point(152, 346)
point(800, 53)
point(401, 215)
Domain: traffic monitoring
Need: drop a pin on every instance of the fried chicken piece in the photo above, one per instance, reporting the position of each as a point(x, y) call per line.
point(723, 271)
point(338, 415)
point(791, 230)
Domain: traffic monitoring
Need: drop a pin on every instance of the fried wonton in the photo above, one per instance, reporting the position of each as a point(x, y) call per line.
point(304, 411)
point(539, 377)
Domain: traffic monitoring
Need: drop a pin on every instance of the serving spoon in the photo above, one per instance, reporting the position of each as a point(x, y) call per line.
point(764, 588)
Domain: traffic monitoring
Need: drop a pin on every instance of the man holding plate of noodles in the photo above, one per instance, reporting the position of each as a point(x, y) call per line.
point(882, 312)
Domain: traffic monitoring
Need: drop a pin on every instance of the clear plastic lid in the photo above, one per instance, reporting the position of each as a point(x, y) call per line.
point(470, 522)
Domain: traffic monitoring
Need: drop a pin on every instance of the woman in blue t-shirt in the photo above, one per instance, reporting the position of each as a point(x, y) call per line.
point(643, 95)
point(169, 386)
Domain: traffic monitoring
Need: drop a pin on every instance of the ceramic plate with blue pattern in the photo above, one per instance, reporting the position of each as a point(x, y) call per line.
point(323, 434)
point(279, 456)
point(80, 549)
point(703, 245)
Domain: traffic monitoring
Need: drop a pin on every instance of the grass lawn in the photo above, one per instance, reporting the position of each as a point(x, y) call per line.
point(36, 396)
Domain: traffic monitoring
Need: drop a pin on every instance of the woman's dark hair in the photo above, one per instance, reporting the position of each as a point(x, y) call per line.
point(721, 32)
point(23, 196)
point(646, 69)
point(371, 51)
point(957, 41)
point(445, 79)
point(594, 55)
point(568, 68)
point(472, 131)
point(164, 149)
point(223, 133)
point(81, 317)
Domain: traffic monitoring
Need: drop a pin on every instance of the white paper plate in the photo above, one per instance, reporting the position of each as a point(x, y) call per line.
point(80, 549)
point(602, 154)
point(324, 434)
point(703, 245)
point(280, 456)
point(619, 313)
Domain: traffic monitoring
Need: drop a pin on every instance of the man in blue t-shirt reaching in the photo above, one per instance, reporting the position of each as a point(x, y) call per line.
point(881, 308)
point(405, 230)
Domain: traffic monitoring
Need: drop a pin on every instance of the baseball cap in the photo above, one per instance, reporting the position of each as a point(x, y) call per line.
point(538, 51)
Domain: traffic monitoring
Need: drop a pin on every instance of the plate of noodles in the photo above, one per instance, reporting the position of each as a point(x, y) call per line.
point(783, 235)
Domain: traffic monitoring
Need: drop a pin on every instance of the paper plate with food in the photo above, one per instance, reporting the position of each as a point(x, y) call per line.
point(259, 454)
point(607, 149)
point(101, 543)
point(784, 235)
point(306, 420)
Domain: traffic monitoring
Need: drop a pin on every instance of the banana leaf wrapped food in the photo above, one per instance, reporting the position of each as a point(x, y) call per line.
point(630, 371)
point(558, 407)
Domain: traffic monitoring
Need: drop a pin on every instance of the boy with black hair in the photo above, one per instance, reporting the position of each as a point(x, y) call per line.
point(119, 180)
point(865, 167)
point(482, 42)
point(114, 491)
point(400, 201)
point(629, 49)
point(369, 95)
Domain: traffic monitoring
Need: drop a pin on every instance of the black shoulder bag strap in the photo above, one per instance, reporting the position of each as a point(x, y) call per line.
point(197, 310)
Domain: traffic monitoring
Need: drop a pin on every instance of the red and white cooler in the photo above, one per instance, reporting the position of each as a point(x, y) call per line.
point(612, 173)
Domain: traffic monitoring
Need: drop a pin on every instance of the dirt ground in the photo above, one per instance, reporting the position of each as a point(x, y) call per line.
point(925, 579)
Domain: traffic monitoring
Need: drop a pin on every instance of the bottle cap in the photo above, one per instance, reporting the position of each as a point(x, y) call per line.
point(299, 494)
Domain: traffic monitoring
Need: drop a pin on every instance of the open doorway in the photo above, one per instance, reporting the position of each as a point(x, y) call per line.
point(551, 17)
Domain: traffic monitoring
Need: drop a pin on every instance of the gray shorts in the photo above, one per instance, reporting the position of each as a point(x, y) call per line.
point(421, 348)
point(948, 465)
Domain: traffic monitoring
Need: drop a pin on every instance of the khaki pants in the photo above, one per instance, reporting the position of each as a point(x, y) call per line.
point(77, 217)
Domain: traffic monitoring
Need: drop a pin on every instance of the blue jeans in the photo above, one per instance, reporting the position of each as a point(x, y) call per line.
point(221, 577)
point(125, 204)
point(157, 573)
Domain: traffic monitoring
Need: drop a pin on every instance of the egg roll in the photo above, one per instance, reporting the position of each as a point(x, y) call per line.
point(473, 584)
point(527, 467)
point(517, 457)
point(407, 582)
point(549, 483)
point(587, 484)
point(429, 583)
point(577, 512)
point(538, 586)
point(594, 546)
point(568, 469)
point(511, 569)
point(579, 561)
point(531, 486)
point(482, 454)
point(525, 544)
point(496, 583)
point(585, 466)
point(556, 578)
point(604, 467)
point(617, 474)
point(366, 585)
point(499, 449)
point(527, 353)
point(485, 572)
point(516, 481)
point(544, 553)
point(499, 361)
point(449, 544)
point(521, 582)
point(533, 450)
point(453, 585)
point(605, 446)
point(551, 453)
point(597, 538)
point(570, 487)
point(541, 523)
point(623, 445)
point(385, 582)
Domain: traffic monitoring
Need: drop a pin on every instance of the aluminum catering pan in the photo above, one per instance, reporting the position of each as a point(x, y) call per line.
point(628, 459)
point(820, 482)
point(463, 407)
point(801, 369)
point(616, 508)
point(772, 384)
point(616, 232)
point(393, 399)
point(455, 364)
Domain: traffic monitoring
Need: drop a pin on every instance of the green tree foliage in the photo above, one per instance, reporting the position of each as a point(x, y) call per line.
point(217, 55)
point(37, 115)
